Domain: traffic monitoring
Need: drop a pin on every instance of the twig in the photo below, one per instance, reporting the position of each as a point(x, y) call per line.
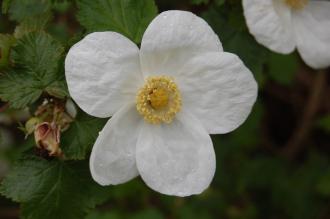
point(4, 107)
point(9, 213)
point(295, 143)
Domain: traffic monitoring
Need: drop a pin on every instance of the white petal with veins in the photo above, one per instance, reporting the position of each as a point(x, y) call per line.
point(103, 72)
point(172, 38)
point(113, 156)
point(269, 21)
point(312, 27)
point(176, 159)
point(218, 89)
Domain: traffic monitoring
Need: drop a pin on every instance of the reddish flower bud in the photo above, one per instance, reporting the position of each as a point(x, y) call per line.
point(47, 137)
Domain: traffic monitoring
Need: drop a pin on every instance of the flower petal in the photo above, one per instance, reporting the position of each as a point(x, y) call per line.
point(177, 158)
point(312, 27)
point(113, 156)
point(103, 72)
point(218, 89)
point(172, 38)
point(270, 23)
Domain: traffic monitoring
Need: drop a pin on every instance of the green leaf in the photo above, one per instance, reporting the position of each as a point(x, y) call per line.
point(324, 123)
point(78, 140)
point(5, 6)
point(148, 214)
point(50, 189)
point(323, 186)
point(61, 5)
point(39, 54)
point(282, 68)
point(58, 88)
point(6, 42)
point(103, 215)
point(18, 89)
point(19, 10)
point(219, 2)
point(32, 24)
point(36, 57)
point(199, 2)
point(251, 127)
point(128, 17)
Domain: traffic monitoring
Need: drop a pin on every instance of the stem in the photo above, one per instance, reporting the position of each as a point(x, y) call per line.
point(295, 143)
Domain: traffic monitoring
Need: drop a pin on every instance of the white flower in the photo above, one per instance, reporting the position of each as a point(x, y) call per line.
point(164, 98)
point(283, 25)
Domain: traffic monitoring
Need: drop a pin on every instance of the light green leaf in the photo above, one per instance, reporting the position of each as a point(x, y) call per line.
point(79, 139)
point(36, 57)
point(128, 17)
point(51, 189)
point(6, 42)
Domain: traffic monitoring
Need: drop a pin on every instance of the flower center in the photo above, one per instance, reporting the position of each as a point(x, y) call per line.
point(158, 100)
point(296, 4)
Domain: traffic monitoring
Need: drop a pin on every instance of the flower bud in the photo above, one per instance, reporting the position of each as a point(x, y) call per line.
point(47, 137)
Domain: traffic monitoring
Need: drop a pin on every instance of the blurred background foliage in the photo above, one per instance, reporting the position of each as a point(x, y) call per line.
point(276, 165)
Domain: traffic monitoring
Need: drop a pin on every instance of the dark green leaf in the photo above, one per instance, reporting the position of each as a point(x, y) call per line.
point(36, 57)
point(148, 214)
point(58, 89)
point(19, 10)
point(103, 215)
point(50, 189)
point(39, 54)
point(61, 5)
point(220, 2)
point(31, 24)
point(5, 6)
point(199, 2)
point(79, 139)
point(18, 89)
point(128, 17)
point(251, 127)
point(323, 186)
point(324, 123)
point(282, 68)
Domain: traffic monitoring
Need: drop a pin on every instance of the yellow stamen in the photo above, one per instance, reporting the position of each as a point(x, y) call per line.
point(158, 100)
point(296, 4)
